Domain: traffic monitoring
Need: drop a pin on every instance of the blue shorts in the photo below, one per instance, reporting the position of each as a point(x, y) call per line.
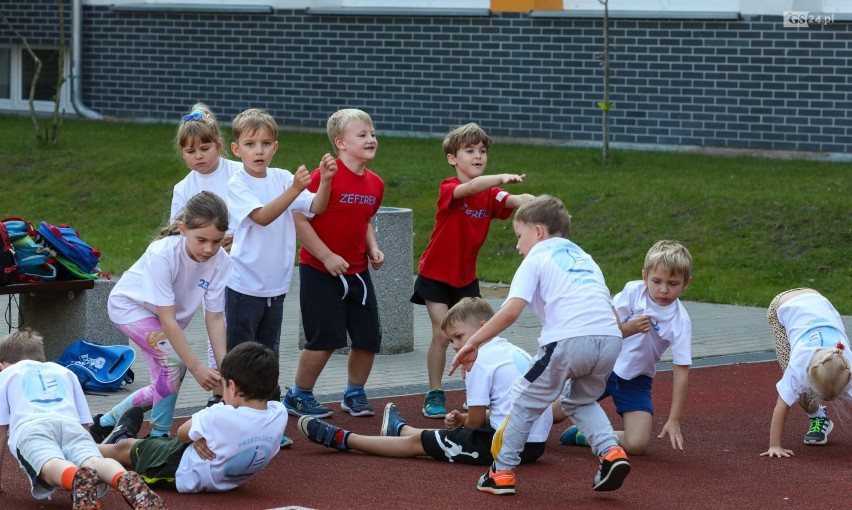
point(629, 395)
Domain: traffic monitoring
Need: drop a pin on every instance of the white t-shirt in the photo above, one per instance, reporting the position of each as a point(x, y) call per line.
point(812, 323)
point(195, 182)
point(244, 440)
point(489, 383)
point(167, 276)
point(566, 290)
point(33, 392)
point(263, 256)
point(670, 327)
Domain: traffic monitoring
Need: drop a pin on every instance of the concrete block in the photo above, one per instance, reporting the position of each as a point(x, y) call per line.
point(63, 318)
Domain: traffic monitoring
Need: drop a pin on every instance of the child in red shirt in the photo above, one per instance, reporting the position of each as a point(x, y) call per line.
point(467, 203)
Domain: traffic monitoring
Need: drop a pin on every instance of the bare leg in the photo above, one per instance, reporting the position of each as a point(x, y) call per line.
point(360, 364)
point(637, 432)
point(51, 471)
point(310, 367)
point(408, 445)
point(119, 452)
point(436, 358)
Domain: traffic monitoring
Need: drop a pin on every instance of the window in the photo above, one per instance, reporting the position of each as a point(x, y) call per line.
point(16, 73)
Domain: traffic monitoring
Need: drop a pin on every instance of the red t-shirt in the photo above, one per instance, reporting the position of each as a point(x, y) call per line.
point(353, 201)
point(461, 226)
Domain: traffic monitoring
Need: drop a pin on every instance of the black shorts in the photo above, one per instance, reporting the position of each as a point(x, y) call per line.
point(427, 289)
point(466, 446)
point(333, 306)
point(156, 459)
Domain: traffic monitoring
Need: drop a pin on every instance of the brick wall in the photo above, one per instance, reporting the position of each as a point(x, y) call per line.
point(742, 84)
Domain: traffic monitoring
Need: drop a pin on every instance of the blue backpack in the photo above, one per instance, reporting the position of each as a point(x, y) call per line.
point(36, 262)
point(99, 367)
point(72, 253)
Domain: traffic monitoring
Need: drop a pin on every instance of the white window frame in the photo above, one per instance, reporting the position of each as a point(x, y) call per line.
point(19, 93)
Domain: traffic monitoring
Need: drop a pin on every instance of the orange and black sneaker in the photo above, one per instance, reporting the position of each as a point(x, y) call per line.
point(497, 482)
point(614, 468)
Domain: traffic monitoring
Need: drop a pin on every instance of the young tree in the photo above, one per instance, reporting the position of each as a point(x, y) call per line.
point(605, 105)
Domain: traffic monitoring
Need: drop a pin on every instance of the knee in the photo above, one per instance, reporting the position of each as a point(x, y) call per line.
point(635, 447)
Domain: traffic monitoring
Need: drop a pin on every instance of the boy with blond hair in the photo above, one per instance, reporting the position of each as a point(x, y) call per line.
point(467, 202)
point(651, 319)
point(466, 437)
point(579, 341)
point(336, 293)
point(43, 409)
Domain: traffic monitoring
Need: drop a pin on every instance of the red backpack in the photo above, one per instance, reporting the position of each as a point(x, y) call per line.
point(8, 265)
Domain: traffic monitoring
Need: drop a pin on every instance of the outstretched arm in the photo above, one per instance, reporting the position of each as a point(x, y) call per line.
point(484, 182)
point(776, 431)
point(515, 201)
point(207, 377)
point(505, 317)
point(680, 382)
point(271, 211)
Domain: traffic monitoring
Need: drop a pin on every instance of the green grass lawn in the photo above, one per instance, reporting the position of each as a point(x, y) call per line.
point(754, 226)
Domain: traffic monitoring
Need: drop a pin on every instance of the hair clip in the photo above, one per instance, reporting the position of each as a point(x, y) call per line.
point(195, 115)
point(840, 346)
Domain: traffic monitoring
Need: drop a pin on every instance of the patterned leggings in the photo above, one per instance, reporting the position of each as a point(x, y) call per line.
point(808, 400)
point(167, 372)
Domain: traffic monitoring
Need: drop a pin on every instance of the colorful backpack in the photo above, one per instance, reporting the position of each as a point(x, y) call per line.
point(99, 367)
point(73, 254)
point(36, 262)
point(8, 264)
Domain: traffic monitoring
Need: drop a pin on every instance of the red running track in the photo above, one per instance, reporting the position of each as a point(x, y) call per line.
point(725, 425)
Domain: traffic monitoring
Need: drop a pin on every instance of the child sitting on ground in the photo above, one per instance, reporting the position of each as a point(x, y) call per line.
point(651, 319)
point(467, 436)
point(220, 447)
point(813, 350)
point(42, 407)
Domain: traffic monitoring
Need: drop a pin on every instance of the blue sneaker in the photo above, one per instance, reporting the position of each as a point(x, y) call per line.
point(434, 406)
point(286, 442)
point(392, 421)
point(324, 433)
point(573, 437)
point(357, 405)
point(305, 404)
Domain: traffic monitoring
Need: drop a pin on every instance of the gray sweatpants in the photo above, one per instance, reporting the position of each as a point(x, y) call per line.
point(587, 361)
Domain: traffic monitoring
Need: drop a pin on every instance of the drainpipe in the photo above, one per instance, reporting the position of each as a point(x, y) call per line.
point(76, 63)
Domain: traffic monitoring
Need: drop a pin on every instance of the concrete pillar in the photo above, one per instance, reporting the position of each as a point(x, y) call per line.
point(393, 283)
point(62, 318)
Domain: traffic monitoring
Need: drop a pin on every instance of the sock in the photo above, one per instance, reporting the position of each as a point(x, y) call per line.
point(107, 420)
point(68, 477)
point(820, 413)
point(300, 390)
point(341, 437)
point(352, 388)
point(116, 478)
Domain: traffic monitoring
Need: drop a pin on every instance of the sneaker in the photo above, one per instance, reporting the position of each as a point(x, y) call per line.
point(84, 490)
point(215, 399)
point(286, 442)
point(305, 405)
point(324, 433)
point(137, 493)
point(357, 405)
point(392, 421)
point(613, 469)
point(497, 482)
point(818, 433)
point(434, 404)
point(573, 437)
point(98, 431)
point(128, 425)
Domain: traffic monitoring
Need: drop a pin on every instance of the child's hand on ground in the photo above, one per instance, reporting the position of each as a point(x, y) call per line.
point(335, 264)
point(206, 377)
point(301, 178)
point(454, 419)
point(465, 357)
point(777, 451)
point(203, 451)
point(328, 167)
point(672, 428)
point(512, 178)
point(377, 259)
